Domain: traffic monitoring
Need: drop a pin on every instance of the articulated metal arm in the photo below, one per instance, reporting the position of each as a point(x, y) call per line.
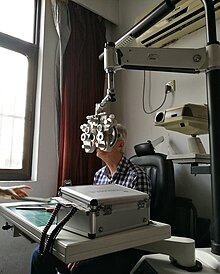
point(178, 60)
point(100, 131)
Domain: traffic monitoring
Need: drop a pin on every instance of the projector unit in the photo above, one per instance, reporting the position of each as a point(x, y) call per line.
point(190, 119)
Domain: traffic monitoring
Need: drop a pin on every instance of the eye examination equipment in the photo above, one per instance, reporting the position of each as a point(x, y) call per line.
point(185, 60)
point(70, 246)
point(104, 209)
point(100, 130)
point(93, 211)
point(189, 119)
point(179, 60)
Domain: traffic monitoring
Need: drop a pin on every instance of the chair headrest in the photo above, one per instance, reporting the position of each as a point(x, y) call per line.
point(144, 149)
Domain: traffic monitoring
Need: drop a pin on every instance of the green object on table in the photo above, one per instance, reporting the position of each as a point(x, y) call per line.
point(35, 216)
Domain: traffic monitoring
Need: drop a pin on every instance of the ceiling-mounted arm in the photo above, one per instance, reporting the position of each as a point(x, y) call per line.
point(146, 23)
point(154, 59)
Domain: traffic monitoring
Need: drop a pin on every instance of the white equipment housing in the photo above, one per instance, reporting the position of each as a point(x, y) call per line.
point(190, 119)
point(187, 17)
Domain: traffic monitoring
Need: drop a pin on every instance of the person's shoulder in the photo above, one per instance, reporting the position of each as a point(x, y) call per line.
point(139, 169)
point(135, 168)
point(101, 170)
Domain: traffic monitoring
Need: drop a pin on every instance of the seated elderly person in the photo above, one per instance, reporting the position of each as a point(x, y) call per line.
point(117, 170)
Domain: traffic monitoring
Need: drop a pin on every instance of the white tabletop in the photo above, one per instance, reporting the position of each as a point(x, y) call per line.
point(71, 247)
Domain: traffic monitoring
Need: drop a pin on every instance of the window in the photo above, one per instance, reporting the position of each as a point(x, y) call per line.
point(19, 29)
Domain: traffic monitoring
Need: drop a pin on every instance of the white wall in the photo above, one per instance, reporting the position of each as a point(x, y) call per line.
point(128, 107)
point(15, 253)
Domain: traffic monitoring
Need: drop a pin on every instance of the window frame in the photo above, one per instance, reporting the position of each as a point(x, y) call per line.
point(30, 51)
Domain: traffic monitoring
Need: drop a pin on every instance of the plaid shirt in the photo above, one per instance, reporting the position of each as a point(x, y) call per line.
point(127, 174)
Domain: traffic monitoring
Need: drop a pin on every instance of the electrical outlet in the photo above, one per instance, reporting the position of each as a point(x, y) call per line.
point(170, 86)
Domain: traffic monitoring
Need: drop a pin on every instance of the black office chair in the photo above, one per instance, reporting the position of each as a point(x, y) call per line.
point(165, 207)
point(161, 172)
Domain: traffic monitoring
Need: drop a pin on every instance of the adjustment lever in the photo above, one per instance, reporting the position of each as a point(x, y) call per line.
point(7, 226)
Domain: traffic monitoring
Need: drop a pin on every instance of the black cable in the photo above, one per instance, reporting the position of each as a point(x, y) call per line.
point(46, 228)
point(57, 229)
point(143, 97)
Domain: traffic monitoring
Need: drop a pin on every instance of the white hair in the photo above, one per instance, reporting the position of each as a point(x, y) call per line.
point(122, 132)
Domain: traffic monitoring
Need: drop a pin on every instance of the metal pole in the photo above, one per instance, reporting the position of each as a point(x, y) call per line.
point(213, 98)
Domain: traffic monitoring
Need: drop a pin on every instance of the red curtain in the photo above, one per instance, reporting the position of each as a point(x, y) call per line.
point(83, 87)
